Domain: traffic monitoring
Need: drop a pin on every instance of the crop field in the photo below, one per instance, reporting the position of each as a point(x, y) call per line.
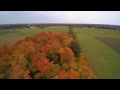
point(101, 47)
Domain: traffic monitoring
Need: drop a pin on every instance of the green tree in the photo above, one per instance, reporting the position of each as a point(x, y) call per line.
point(75, 47)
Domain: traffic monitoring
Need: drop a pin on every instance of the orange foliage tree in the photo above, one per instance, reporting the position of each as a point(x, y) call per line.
point(46, 55)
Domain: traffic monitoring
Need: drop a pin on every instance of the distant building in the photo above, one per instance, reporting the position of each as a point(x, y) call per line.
point(32, 27)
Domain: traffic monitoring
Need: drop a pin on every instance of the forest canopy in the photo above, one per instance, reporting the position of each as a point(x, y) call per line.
point(47, 55)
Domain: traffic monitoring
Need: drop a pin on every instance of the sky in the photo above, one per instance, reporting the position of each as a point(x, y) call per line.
point(82, 17)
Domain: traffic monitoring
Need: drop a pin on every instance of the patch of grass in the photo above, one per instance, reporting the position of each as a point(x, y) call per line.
point(11, 37)
point(104, 61)
point(31, 32)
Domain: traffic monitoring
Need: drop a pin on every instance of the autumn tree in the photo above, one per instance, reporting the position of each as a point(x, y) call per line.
point(47, 55)
point(67, 55)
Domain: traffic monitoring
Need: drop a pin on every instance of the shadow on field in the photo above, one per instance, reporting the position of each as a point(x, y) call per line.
point(113, 43)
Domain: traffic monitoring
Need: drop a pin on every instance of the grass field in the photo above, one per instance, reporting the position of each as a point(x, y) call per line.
point(104, 60)
point(11, 37)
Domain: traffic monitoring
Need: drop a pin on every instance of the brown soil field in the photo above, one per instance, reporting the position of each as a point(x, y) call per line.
point(113, 43)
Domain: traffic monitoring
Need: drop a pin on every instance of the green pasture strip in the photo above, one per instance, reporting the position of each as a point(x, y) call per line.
point(104, 61)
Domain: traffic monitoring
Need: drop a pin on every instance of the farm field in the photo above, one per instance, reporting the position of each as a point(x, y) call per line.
point(114, 43)
point(15, 35)
point(102, 58)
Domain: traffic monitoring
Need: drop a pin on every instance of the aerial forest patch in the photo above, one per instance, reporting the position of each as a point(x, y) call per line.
point(47, 55)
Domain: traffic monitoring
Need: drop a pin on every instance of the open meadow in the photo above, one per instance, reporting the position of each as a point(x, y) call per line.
point(104, 60)
point(101, 47)
point(15, 35)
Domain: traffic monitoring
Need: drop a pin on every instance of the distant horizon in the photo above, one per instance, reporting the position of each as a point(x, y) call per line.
point(76, 17)
point(57, 23)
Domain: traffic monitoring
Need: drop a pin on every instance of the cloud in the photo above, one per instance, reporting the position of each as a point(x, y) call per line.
point(92, 17)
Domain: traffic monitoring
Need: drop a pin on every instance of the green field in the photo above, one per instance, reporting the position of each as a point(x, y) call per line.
point(104, 61)
point(15, 35)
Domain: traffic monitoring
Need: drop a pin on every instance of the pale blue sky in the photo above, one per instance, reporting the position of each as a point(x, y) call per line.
point(88, 17)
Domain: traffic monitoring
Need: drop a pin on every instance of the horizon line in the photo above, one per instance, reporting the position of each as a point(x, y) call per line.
point(59, 23)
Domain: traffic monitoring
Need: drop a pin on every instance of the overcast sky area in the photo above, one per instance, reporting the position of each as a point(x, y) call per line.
point(85, 17)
